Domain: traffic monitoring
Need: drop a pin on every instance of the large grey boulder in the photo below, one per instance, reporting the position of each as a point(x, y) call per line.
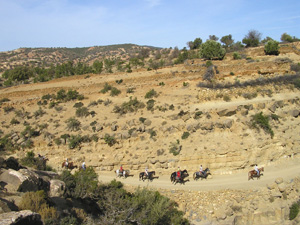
point(57, 188)
point(294, 113)
point(25, 217)
point(23, 180)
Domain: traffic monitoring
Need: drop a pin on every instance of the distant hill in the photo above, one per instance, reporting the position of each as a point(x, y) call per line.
point(47, 56)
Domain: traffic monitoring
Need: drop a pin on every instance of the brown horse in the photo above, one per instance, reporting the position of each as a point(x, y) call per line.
point(70, 165)
point(253, 173)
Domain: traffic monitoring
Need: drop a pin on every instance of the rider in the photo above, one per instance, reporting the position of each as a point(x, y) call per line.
point(178, 173)
point(256, 169)
point(201, 170)
point(83, 166)
point(121, 169)
point(146, 171)
point(66, 163)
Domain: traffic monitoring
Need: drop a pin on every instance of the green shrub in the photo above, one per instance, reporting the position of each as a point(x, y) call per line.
point(212, 50)
point(78, 105)
point(110, 140)
point(150, 104)
point(106, 88)
point(161, 84)
point(8, 109)
point(175, 147)
point(297, 83)
point(119, 81)
point(259, 120)
point(185, 84)
point(236, 56)
point(198, 114)
point(73, 124)
point(14, 121)
point(272, 48)
point(74, 141)
point(142, 119)
point(131, 106)
point(114, 91)
point(209, 74)
point(6, 144)
point(226, 98)
point(39, 113)
point(294, 210)
point(82, 112)
point(185, 135)
point(252, 39)
point(150, 94)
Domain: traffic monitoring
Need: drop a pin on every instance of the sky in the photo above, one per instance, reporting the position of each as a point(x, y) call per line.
point(159, 23)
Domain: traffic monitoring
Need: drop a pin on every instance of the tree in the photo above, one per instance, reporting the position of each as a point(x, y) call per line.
point(264, 41)
point(272, 48)
point(252, 39)
point(195, 44)
point(286, 38)
point(213, 38)
point(212, 50)
point(227, 40)
point(98, 66)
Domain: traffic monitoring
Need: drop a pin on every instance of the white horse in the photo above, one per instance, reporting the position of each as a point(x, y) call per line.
point(124, 174)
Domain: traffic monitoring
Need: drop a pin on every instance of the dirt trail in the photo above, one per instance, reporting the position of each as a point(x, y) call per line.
point(287, 169)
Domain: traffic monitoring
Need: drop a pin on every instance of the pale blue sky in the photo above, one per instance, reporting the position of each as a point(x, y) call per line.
point(159, 23)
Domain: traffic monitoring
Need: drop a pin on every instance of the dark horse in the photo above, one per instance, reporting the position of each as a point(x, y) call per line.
point(253, 173)
point(174, 179)
point(202, 175)
point(143, 176)
point(70, 165)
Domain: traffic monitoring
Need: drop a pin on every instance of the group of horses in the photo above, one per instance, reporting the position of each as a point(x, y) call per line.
point(174, 178)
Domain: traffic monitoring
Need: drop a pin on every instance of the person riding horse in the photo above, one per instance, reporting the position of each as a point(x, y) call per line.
point(178, 174)
point(83, 166)
point(66, 163)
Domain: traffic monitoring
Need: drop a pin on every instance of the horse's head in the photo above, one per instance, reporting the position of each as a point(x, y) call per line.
point(262, 169)
point(153, 172)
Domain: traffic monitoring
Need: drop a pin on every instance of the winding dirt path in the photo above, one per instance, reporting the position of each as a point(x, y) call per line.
point(287, 169)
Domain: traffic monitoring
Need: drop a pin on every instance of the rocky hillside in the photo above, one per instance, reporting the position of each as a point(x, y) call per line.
point(47, 56)
point(248, 114)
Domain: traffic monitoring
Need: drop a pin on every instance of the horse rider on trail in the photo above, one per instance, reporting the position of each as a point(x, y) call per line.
point(256, 169)
point(66, 163)
point(146, 171)
point(83, 166)
point(121, 169)
point(201, 170)
point(178, 173)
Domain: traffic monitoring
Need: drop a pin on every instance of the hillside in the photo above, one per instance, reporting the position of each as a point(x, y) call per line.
point(164, 119)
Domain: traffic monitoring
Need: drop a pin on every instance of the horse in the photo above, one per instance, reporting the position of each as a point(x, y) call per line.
point(253, 173)
point(143, 176)
point(174, 178)
point(202, 175)
point(70, 165)
point(125, 173)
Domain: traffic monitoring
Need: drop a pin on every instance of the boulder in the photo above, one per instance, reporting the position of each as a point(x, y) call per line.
point(279, 180)
point(294, 113)
point(57, 188)
point(207, 126)
point(147, 122)
point(227, 112)
point(282, 187)
point(23, 180)
point(114, 127)
point(21, 217)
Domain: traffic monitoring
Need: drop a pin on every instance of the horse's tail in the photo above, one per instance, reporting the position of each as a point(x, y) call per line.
point(194, 176)
point(249, 175)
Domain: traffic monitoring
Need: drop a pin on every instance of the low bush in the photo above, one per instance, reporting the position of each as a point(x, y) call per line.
point(131, 106)
point(295, 67)
point(82, 112)
point(110, 140)
point(175, 147)
point(236, 56)
point(272, 48)
point(73, 124)
point(150, 94)
point(107, 87)
point(198, 114)
point(74, 141)
point(114, 91)
point(297, 83)
point(37, 202)
point(294, 210)
point(260, 121)
point(185, 135)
